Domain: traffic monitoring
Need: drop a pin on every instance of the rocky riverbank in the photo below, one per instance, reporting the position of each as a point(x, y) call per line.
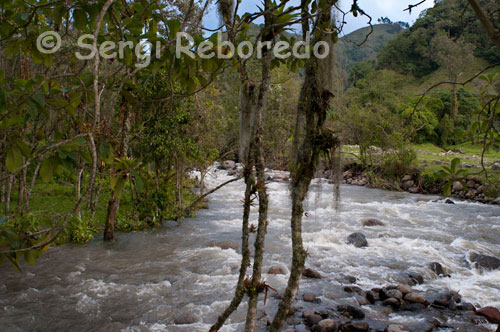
point(356, 174)
point(392, 308)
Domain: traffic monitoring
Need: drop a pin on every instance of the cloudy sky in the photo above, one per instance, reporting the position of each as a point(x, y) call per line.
point(375, 8)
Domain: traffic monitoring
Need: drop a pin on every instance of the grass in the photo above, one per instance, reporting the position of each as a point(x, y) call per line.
point(431, 158)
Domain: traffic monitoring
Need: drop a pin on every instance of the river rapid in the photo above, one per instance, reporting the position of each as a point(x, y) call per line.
point(144, 281)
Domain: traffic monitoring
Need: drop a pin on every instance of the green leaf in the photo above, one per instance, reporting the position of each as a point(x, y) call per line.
point(454, 164)
point(106, 152)
point(3, 220)
point(14, 159)
point(447, 189)
point(48, 168)
point(119, 185)
point(173, 28)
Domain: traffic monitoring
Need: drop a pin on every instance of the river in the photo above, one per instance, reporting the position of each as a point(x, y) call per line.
point(143, 281)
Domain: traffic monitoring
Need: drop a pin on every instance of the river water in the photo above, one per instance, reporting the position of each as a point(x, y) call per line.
point(143, 281)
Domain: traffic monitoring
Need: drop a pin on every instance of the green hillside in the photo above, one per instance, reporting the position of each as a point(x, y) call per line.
point(348, 46)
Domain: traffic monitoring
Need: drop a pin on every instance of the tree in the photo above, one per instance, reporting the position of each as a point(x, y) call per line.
point(453, 56)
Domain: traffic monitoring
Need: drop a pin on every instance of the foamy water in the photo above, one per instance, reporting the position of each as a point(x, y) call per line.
point(143, 281)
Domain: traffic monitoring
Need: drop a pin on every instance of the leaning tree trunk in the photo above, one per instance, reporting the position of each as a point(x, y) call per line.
point(310, 139)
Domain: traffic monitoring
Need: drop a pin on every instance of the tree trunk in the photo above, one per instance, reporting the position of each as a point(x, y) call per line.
point(251, 320)
point(22, 189)
point(29, 192)
point(454, 104)
point(10, 184)
point(485, 21)
point(78, 187)
point(111, 218)
point(310, 139)
point(114, 202)
point(93, 190)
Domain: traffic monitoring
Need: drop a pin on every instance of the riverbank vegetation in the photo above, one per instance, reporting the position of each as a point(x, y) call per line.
point(105, 144)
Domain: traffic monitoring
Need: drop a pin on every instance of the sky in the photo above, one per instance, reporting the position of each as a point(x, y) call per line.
point(375, 8)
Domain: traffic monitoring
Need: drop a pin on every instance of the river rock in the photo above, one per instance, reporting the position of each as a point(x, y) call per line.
point(485, 262)
point(279, 177)
point(408, 184)
point(413, 307)
point(490, 313)
point(414, 190)
point(458, 186)
point(358, 240)
point(348, 280)
point(228, 164)
point(397, 328)
point(394, 293)
point(392, 302)
point(353, 311)
point(406, 178)
point(185, 319)
point(228, 245)
point(310, 297)
point(405, 289)
point(311, 318)
point(276, 270)
point(415, 298)
point(326, 325)
point(436, 268)
point(449, 201)
point(466, 306)
point(372, 223)
point(362, 300)
point(416, 278)
point(372, 296)
point(356, 327)
point(310, 273)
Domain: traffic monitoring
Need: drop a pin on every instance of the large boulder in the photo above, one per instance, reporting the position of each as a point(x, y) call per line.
point(485, 262)
point(357, 239)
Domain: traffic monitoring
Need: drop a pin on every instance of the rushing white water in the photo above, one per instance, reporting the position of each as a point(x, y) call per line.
point(143, 281)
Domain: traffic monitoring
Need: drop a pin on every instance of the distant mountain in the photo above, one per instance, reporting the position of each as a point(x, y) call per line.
point(348, 46)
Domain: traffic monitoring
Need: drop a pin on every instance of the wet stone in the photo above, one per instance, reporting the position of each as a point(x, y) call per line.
point(397, 328)
point(185, 319)
point(356, 327)
point(326, 325)
point(310, 273)
point(310, 297)
point(353, 311)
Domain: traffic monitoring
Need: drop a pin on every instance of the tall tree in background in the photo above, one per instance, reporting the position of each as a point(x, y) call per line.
point(453, 56)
